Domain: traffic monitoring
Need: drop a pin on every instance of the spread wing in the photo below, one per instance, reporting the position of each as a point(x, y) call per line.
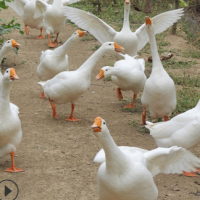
point(87, 21)
point(171, 160)
point(161, 22)
point(41, 6)
point(17, 6)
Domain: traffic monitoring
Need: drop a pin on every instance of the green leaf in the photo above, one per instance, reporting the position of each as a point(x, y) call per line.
point(183, 4)
point(3, 5)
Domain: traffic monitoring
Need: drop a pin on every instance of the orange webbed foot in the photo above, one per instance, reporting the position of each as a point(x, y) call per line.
point(14, 170)
point(190, 174)
point(40, 37)
point(129, 106)
point(72, 119)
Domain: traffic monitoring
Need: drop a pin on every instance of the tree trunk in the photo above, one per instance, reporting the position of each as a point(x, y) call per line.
point(174, 27)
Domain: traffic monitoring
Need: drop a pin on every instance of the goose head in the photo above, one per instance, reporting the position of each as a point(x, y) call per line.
point(99, 127)
point(10, 75)
point(104, 72)
point(149, 24)
point(127, 4)
point(79, 33)
point(110, 46)
point(9, 44)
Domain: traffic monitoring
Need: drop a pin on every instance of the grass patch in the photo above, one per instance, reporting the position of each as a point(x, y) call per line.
point(187, 98)
point(172, 64)
point(192, 53)
point(97, 46)
point(140, 127)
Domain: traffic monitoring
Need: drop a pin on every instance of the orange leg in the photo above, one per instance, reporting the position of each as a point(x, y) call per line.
point(71, 117)
point(26, 30)
point(54, 109)
point(191, 174)
point(40, 36)
point(56, 40)
point(13, 168)
point(119, 94)
point(50, 43)
point(166, 118)
point(132, 103)
point(42, 95)
point(144, 118)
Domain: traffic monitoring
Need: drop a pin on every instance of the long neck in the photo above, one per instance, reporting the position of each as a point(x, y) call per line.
point(62, 50)
point(115, 159)
point(89, 64)
point(126, 17)
point(154, 50)
point(5, 96)
point(3, 52)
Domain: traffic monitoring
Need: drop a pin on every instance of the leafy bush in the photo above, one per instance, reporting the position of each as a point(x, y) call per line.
point(6, 27)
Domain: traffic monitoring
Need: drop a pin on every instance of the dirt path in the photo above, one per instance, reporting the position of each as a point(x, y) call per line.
point(58, 155)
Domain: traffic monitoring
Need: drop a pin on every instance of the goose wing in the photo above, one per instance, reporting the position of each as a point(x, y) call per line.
point(87, 21)
point(161, 22)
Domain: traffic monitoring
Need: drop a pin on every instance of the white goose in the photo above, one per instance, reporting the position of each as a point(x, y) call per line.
point(10, 124)
point(131, 41)
point(182, 130)
point(159, 95)
point(7, 46)
point(68, 86)
point(27, 9)
point(55, 61)
point(54, 19)
point(127, 74)
point(126, 173)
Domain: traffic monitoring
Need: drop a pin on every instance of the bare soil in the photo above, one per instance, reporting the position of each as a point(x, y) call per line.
point(57, 155)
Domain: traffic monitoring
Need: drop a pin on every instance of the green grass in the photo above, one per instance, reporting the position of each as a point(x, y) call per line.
point(192, 53)
point(187, 98)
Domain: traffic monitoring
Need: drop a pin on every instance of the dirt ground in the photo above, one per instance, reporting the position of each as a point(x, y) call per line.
point(57, 155)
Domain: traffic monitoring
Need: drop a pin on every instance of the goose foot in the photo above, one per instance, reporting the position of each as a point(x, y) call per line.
point(40, 36)
point(53, 108)
point(42, 95)
point(13, 169)
point(26, 30)
point(71, 117)
point(144, 118)
point(131, 105)
point(50, 44)
point(119, 94)
point(190, 174)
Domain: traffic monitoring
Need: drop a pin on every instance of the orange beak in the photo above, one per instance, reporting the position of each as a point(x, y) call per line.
point(100, 75)
point(118, 48)
point(13, 75)
point(97, 124)
point(148, 20)
point(127, 2)
point(81, 33)
point(15, 44)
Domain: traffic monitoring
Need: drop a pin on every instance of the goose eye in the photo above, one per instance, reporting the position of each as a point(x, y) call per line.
point(109, 44)
point(106, 69)
point(8, 41)
point(104, 122)
point(7, 71)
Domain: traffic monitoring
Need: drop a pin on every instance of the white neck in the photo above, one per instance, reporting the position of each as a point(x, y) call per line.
point(154, 50)
point(5, 96)
point(126, 17)
point(56, 3)
point(62, 50)
point(3, 52)
point(88, 65)
point(115, 159)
